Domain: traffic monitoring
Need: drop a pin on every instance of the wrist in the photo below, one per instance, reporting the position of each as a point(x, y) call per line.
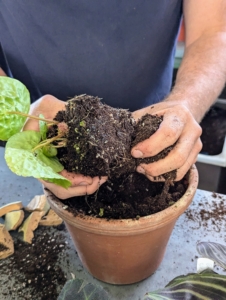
point(190, 102)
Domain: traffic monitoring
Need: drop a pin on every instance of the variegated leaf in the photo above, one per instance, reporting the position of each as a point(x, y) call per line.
point(207, 285)
point(214, 251)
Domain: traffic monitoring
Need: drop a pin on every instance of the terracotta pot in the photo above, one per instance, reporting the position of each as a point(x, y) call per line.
point(181, 35)
point(124, 251)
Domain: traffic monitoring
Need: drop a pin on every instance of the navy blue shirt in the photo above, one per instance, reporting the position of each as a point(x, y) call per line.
point(121, 50)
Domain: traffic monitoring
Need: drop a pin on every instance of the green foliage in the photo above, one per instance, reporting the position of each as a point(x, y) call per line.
point(82, 123)
point(206, 285)
point(19, 155)
point(43, 127)
point(24, 162)
point(14, 96)
point(52, 162)
point(214, 251)
point(101, 213)
point(49, 150)
point(80, 290)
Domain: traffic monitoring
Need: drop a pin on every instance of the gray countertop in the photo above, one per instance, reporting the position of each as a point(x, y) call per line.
point(181, 255)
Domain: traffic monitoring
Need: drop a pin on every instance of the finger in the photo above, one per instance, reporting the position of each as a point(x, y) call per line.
point(48, 106)
point(181, 172)
point(183, 169)
point(31, 124)
point(179, 156)
point(77, 179)
point(74, 191)
point(167, 134)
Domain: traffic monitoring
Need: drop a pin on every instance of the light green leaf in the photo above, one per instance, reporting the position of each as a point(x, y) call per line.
point(49, 150)
point(52, 162)
point(82, 123)
point(14, 96)
point(214, 251)
point(80, 290)
point(22, 161)
point(207, 285)
point(43, 127)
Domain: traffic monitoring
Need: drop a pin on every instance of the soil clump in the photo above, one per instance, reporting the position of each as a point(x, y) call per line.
point(99, 139)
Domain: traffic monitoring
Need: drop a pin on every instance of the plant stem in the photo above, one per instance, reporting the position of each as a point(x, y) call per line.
point(59, 146)
point(32, 117)
point(47, 142)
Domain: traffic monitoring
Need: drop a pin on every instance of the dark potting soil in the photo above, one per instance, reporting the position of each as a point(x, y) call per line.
point(100, 137)
point(99, 140)
point(33, 271)
point(130, 196)
point(214, 131)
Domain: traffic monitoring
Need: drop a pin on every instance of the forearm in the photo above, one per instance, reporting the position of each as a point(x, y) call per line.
point(202, 74)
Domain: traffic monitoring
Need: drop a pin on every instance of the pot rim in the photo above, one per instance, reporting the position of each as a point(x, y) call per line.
point(127, 226)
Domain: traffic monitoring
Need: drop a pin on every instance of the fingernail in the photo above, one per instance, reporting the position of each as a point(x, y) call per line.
point(140, 170)
point(83, 183)
point(137, 153)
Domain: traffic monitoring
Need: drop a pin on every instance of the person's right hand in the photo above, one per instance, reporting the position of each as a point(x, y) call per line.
point(48, 106)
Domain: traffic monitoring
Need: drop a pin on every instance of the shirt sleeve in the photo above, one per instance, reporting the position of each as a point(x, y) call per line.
point(4, 63)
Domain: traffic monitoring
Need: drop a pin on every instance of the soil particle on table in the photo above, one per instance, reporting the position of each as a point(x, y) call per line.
point(33, 271)
point(214, 213)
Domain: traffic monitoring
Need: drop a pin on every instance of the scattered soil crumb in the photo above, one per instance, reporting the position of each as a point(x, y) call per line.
point(214, 195)
point(33, 272)
point(213, 213)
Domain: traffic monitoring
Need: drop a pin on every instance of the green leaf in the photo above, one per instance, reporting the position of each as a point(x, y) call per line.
point(214, 251)
point(80, 290)
point(101, 213)
point(22, 161)
point(14, 96)
point(52, 162)
point(82, 123)
point(49, 150)
point(207, 285)
point(43, 127)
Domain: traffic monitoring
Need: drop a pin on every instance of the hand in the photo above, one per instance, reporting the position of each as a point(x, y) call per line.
point(80, 185)
point(178, 126)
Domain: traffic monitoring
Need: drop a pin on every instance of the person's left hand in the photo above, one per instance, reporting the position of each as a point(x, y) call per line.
point(80, 185)
point(178, 126)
